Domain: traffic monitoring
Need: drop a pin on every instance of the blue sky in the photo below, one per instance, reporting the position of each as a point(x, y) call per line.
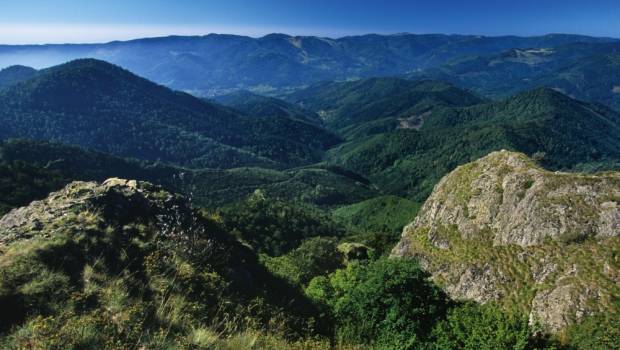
point(47, 21)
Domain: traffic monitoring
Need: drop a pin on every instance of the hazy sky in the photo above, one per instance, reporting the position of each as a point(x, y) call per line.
point(49, 21)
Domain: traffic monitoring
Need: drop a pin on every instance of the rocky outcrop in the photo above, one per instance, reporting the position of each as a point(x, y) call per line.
point(506, 194)
point(503, 229)
point(115, 201)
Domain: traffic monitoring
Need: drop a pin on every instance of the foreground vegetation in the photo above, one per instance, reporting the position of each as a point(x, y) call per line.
point(125, 265)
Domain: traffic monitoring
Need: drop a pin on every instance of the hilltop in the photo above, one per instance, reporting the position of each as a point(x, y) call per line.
point(15, 74)
point(503, 229)
point(126, 262)
point(100, 106)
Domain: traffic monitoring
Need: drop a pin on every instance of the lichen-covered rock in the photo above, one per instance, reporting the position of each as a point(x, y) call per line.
point(523, 204)
point(115, 200)
point(501, 228)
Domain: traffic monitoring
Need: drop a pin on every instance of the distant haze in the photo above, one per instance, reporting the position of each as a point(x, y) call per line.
point(275, 64)
point(40, 34)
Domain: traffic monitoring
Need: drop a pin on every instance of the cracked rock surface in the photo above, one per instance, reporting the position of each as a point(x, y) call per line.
point(503, 229)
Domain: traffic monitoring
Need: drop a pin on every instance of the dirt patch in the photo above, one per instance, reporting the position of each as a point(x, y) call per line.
point(413, 122)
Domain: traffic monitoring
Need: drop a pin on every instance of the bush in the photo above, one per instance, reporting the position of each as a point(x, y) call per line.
point(276, 227)
point(389, 303)
point(601, 332)
point(474, 326)
point(314, 257)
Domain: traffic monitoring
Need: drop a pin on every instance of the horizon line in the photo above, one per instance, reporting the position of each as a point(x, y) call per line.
point(261, 36)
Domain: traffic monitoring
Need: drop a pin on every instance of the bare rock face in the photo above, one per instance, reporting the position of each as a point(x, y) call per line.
point(501, 228)
point(523, 204)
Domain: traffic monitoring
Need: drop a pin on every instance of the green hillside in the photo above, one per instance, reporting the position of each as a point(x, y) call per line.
point(255, 105)
point(124, 263)
point(137, 217)
point(563, 133)
point(385, 214)
point(31, 169)
point(121, 263)
point(346, 104)
point(103, 107)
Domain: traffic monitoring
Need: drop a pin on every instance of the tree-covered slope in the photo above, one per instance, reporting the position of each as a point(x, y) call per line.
point(100, 106)
point(383, 214)
point(344, 105)
point(21, 183)
point(588, 71)
point(563, 132)
point(255, 105)
point(593, 79)
point(15, 74)
point(31, 169)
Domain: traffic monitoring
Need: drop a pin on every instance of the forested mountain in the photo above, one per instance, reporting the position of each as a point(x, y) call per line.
point(29, 170)
point(266, 107)
point(564, 133)
point(136, 216)
point(100, 106)
point(384, 101)
point(583, 70)
point(15, 74)
point(218, 63)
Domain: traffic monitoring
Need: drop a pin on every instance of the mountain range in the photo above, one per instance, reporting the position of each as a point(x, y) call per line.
point(213, 64)
point(393, 129)
point(581, 70)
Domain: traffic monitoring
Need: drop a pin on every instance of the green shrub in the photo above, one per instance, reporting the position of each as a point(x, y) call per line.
point(275, 227)
point(390, 303)
point(314, 257)
point(601, 332)
point(474, 326)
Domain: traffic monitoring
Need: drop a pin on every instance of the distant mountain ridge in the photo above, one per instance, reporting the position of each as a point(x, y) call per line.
point(214, 63)
point(586, 71)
